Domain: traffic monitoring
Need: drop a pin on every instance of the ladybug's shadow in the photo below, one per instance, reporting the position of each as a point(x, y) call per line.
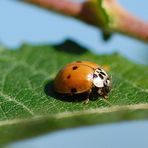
point(49, 91)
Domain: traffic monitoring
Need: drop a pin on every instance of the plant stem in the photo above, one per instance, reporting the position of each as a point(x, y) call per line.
point(132, 26)
point(125, 22)
point(121, 21)
point(62, 6)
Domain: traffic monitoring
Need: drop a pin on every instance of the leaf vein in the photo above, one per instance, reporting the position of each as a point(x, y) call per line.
point(16, 102)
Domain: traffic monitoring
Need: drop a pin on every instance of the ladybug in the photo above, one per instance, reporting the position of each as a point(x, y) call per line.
point(82, 77)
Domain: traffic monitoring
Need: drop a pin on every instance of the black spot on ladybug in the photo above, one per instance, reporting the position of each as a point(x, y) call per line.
point(95, 76)
point(101, 76)
point(103, 73)
point(79, 61)
point(69, 76)
point(75, 67)
point(73, 90)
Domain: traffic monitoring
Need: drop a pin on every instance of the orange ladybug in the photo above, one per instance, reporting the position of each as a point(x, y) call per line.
point(82, 77)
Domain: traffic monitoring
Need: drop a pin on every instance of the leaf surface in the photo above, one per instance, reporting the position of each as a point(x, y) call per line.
point(28, 106)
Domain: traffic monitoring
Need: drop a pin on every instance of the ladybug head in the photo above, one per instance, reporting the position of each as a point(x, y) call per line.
point(102, 82)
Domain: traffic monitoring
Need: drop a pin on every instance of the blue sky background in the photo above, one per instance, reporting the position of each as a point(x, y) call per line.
point(121, 135)
point(21, 23)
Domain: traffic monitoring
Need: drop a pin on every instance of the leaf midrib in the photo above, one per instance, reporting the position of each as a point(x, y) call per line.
point(104, 110)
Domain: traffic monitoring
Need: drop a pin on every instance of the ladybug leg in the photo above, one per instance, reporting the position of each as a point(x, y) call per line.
point(86, 101)
point(87, 98)
point(105, 97)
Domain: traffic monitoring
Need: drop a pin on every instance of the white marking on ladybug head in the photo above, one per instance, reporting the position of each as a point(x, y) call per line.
point(98, 82)
point(100, 78)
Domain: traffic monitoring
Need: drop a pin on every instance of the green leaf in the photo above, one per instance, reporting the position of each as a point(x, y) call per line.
point(26, 109)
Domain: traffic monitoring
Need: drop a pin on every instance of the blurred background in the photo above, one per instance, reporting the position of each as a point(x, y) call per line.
point(22, 23)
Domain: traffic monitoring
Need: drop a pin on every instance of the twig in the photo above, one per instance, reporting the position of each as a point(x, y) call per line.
point(105, 14)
